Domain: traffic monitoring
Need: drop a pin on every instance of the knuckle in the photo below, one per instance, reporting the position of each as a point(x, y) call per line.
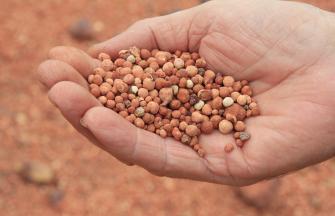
point(144, 23)
point(55, 51)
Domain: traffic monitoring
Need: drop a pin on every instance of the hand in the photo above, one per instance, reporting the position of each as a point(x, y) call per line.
point(286, 50)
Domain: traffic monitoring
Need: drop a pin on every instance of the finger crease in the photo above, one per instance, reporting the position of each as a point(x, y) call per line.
point(165, 160)
point(154, 38)
point(133, 154)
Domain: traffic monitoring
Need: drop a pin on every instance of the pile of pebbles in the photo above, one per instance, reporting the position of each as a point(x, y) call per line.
point(173, 95)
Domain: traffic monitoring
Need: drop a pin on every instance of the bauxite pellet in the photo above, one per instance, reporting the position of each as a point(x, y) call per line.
point(225, 127)
point(174, 95)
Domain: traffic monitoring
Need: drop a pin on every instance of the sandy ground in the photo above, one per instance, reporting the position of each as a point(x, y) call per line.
point(92, 182)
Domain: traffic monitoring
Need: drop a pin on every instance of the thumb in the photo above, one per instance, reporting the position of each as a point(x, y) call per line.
point(132, 145)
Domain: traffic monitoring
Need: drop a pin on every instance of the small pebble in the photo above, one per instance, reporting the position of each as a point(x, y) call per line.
point(229, 148)
point(36, 172)
point(179, 63)
point(207, 127)
point(189, 84)
point(239, 126)
point(175, 89)
point(225, 127)
point(242, 100)
point(131, 59)
point(134, 89)
point(199, 105)
point(244, 136)
point(82, 30)
point(228, 81)
point(192, 130)
point(227, 102)
point(139, 112)
point(197, 117)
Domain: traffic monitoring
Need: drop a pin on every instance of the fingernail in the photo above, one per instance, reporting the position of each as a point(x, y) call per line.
point(52, 102)
point(83, 123)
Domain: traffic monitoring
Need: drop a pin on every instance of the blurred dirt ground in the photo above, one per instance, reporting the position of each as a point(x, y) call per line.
point(90, 181)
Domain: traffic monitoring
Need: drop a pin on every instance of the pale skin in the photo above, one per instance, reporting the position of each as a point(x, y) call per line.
point(285, 49)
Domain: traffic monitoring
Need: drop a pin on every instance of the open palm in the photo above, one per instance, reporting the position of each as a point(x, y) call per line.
point(286, 50)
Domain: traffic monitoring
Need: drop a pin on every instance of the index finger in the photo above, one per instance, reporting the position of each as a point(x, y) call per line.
point(169, 33)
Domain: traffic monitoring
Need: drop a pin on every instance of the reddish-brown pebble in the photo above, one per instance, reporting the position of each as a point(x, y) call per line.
point(205, 94)
point(110, 104)
point(107, 64)
point(103, 99)
point(206, 109)
point(237, 135)
point(229, 148)
point(175, 104)
point(228, 81)
point(235, 95)
point(246, 90)
point(139, 123)
point(153, 107)
point(236, 110)
point(197, 117)
point(145, 54)
point(196, 147)
point(207, 127)
point(142, 92)
point(120, 85)
point(239, 126)
point(148, 118)
point(200, 63)
point(163, 133)
point(215, 119)
point(194, 141)
point(217, 103)
point(231, 118)
point(97, 79)
point(176, 133)
point(225, 126)
point(151, 128)
point(123, 113)
point(237, 86)
point(95, 92)
point(166, 95)
point(192, 130)
point(239, 143)
point(182, 125)
point(183, 95)
point(191, 70)
point(209, 76)
point(176, 114)
point(131, 118)
point(224, 92)
point(174, 122)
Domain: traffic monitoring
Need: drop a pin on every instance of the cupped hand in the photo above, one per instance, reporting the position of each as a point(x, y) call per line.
point(286, 50)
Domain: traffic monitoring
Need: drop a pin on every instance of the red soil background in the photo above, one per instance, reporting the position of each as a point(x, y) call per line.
point(93, 182)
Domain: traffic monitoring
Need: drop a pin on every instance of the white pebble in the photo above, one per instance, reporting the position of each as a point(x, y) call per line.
point(228, 101)
point(131, 59)
point(178, 63)
point(134, 89)
point(199, 105)
point(175, 89)
point(189, 84)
